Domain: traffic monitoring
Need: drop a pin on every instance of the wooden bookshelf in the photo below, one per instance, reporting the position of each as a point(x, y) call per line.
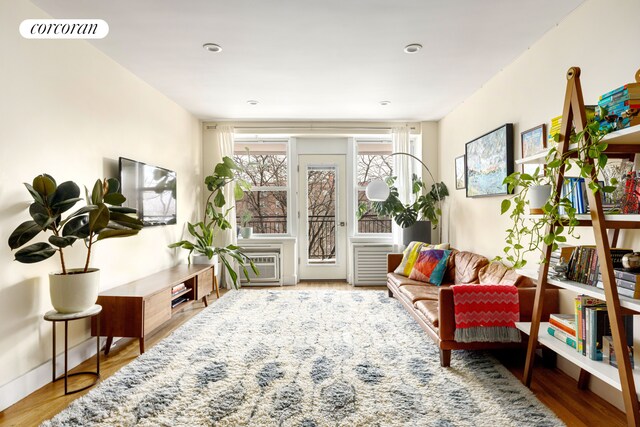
point(624, 143)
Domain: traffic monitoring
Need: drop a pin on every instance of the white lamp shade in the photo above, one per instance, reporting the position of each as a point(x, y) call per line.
point(377, 191)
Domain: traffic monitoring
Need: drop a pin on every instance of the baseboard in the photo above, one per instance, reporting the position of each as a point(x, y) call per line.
point(24, 385)
point(290, 280)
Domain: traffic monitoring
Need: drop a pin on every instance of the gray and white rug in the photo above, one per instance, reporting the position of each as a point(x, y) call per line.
point(305, 359)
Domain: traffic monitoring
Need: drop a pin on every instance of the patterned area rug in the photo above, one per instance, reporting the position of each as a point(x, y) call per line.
point(305, 359)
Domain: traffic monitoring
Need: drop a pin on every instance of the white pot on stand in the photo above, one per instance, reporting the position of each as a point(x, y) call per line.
point(538, 195)
point(203, 259)
point(75, 291)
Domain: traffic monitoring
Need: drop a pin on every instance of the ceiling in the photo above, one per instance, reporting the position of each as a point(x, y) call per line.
point(317, 59)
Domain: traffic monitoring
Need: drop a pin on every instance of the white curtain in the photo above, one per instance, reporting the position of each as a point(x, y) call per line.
point(402, 170)
point(223, 139)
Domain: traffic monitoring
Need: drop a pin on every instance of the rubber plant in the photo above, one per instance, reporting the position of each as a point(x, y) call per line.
point(215, 214)
point(425, 205)
point(527, 233)
point(102, 217)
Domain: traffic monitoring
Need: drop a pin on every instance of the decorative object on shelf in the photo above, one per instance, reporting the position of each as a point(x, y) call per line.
point(526, 234)
point(103, 217)
point(386, 202)
point(489, 162)
point(554, 129)
point(534, 140)
point(245, 230)
point(215, 220)
point(461, 172)
point(631, 261)
point(616, 171)
point(560, 269)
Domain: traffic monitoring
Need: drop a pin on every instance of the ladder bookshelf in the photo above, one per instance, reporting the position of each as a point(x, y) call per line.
point(622, 143)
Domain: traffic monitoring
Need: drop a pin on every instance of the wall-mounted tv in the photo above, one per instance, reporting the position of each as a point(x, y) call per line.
point(149, 189)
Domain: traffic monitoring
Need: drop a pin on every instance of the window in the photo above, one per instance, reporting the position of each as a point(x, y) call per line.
point(264, 165)
point(373, 162)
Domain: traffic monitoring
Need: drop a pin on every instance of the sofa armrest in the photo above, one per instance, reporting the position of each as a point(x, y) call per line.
point(446, 311)
point(393, 261)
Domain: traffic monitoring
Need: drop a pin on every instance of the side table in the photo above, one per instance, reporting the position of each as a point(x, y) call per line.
point(54, 316)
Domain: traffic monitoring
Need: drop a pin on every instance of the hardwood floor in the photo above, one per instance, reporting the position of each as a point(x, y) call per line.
point(554, 388)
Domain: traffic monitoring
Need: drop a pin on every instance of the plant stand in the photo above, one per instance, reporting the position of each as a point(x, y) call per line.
point(54, 316)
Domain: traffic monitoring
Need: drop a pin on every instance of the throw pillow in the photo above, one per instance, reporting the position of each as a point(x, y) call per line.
point(438, 246)
point(431, 266)
point(409, 258)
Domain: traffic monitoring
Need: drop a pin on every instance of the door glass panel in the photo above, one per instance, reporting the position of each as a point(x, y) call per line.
point(321, 214)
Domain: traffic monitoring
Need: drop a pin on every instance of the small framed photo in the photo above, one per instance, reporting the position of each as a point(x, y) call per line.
point(534, 140)
point(460, 172)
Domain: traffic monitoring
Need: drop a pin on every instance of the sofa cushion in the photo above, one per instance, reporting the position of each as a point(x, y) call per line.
point(450, 274)
point(399, 280)
point(431, 266)
point(428, 309)
point(468, 265)
point(496, 273)
point(409, 257)
point(416, 293)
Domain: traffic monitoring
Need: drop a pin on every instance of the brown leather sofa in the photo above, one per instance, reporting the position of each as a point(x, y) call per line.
point(432, 306)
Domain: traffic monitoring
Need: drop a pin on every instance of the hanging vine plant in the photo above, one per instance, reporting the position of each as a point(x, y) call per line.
point(558, 220)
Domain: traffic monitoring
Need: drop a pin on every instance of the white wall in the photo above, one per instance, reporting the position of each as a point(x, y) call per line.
point(600, 37)
point(68, 110)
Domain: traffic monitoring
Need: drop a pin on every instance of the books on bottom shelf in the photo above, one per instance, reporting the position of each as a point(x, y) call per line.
point(176, 302)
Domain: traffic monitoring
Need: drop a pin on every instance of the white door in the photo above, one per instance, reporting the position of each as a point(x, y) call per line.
point(322, 226)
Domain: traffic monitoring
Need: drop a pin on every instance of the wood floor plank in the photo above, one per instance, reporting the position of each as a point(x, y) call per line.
point(554, 388)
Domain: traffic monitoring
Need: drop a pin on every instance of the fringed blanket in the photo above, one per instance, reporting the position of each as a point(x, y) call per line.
point(486, 313)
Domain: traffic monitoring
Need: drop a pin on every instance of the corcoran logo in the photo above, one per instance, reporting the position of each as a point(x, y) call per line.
point(64, 29)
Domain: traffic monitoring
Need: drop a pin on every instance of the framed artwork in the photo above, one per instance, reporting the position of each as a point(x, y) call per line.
point(533, 140)
point(489, 161)
point(460, 172)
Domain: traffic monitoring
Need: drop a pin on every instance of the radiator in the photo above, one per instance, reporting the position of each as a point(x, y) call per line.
point(370, 264)
point(267, 263)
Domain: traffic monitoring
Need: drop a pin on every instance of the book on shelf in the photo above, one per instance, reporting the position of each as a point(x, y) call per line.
point(631, 293)
point(564, 322)
point(562, 336)
point(582, 303)
point(599, 326)
point(583, 265)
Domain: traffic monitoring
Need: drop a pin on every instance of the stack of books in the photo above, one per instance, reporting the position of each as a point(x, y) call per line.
point(619, 108)
point(554, 129)
point(178, 289)
point(627, 282)
point(575, 189)
point(563, 327)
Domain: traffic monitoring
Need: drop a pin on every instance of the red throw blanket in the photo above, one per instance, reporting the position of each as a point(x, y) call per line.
point(486, 313)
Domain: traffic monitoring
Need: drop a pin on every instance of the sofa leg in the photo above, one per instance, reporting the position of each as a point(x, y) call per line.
point(389, 293)
point(445, 358)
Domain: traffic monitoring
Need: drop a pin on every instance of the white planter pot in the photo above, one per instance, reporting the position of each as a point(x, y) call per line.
point(75, 291)
point(538, 195)
point(246, 232)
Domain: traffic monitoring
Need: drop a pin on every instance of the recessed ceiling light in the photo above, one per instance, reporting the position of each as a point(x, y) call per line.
point(385, 102)
point(412, 48)
point(212, 47)
point(252, 102)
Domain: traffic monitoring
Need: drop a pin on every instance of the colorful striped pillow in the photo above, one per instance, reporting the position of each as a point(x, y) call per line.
point(430, 266)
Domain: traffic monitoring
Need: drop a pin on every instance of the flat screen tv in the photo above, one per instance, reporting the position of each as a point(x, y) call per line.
point(150, 190)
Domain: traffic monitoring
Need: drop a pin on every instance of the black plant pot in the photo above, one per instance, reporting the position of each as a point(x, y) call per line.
point(419, 232)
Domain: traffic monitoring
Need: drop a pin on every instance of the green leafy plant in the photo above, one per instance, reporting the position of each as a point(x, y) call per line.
point(559, 220)
point(425, 205)
point(102, 218)
point(215, 220)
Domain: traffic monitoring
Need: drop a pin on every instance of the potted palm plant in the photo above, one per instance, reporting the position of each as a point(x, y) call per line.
point(245, 230)
point(72, 289)
point(215, 220)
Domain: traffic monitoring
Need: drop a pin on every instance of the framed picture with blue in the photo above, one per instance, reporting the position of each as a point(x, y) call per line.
point(460, 172)
point(489, 161)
